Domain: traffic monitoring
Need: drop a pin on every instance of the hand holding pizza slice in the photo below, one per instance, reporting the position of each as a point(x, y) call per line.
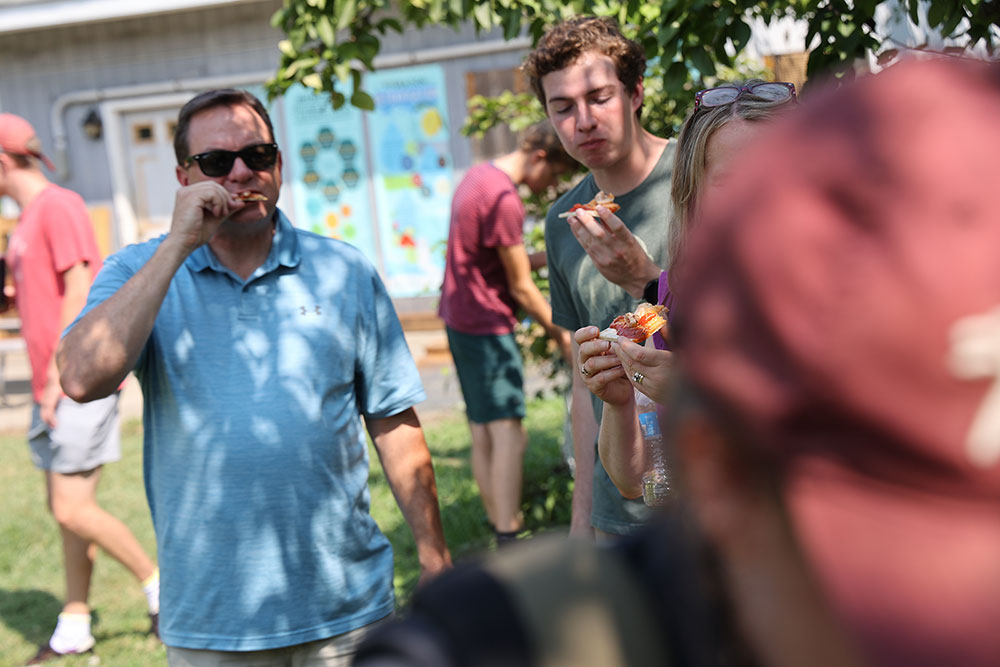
point(602, 198)
point(637, 326)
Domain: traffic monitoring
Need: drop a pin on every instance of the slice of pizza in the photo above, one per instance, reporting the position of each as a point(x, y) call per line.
point(602, 198)
point(637, 326)
point(249, 195)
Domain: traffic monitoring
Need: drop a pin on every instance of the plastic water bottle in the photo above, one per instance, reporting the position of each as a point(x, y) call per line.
point(657, 485)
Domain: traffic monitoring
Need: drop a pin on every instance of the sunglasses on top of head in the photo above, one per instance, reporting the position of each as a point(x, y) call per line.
point(219, 162)
point(772, 91)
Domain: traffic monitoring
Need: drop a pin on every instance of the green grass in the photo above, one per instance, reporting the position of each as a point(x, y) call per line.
point(31, 577)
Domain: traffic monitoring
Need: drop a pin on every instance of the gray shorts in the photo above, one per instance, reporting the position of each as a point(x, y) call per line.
point(86, 436)
point(336, 651)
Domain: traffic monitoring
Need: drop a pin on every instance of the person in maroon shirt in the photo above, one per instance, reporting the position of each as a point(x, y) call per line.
point(487, 276)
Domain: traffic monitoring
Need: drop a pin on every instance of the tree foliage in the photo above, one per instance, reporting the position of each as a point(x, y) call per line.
point(330, 44)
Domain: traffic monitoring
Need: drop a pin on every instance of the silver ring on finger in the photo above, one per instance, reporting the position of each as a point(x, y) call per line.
point(638, 377)
point(584, 372)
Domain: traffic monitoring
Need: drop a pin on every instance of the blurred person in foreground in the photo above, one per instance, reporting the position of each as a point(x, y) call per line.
point(589, 79)
point(835, 418)
point(53, 258)
point(724, 121)
point(841, 310)
point(487, 277)
point(259, 348)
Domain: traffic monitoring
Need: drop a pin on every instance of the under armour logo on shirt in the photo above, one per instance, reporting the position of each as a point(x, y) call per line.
point(975, 354)
point(309, 310)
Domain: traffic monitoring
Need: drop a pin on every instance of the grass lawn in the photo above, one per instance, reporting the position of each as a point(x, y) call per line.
point(31, 578)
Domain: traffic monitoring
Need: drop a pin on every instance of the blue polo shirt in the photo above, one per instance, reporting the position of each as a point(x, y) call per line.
point(256, 462)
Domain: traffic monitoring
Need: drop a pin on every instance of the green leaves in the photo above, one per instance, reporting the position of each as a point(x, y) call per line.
point(702, 61)
point(324, 27)
point(739, 34)
point(345, 11)
point(389, 23)
point(517, 110)
point(511, 25)
point(483, 14)
point(363, 100)
point(675, 76)
point(303, 65)
point(937, 12)
point(313, 80)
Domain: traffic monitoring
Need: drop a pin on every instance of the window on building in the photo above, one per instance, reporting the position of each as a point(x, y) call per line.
point(142, 133)
point(499, 140)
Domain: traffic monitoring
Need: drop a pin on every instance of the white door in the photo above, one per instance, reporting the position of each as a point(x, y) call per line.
point(149, 151)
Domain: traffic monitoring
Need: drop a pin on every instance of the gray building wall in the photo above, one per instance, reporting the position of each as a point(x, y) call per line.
point(39, 67)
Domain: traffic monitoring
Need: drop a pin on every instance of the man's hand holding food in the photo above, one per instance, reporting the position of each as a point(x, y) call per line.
point(199, 211)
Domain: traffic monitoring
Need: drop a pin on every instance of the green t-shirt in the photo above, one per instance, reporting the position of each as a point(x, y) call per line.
point(581, 296)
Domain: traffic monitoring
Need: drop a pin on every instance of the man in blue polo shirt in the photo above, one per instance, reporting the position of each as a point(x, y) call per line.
point(259, 347)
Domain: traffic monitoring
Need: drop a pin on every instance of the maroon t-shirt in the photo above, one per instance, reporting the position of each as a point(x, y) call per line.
point(486, 213)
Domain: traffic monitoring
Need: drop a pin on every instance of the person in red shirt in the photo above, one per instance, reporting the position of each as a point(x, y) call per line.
point(487, 276)
point(53, 258)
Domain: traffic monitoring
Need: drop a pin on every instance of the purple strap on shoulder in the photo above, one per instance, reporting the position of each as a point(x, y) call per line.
point(666, 297)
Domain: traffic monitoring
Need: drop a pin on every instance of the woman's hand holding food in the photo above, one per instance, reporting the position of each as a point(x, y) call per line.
point(601, 370)
point(646, 368)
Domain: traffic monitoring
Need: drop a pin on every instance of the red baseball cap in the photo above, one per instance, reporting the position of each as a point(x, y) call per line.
point(842, 303)
point(18, 138)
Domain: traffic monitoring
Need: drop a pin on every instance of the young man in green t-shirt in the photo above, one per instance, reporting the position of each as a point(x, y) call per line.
point(588, 77)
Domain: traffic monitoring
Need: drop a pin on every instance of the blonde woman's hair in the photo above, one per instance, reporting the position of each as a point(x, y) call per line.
point(689, 158)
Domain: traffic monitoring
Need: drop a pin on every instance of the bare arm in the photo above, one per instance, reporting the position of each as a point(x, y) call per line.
point(614, 250)
point(97, 354)
point(538, 260)
point(406, 461)
point(620, 444)
point(622, 449)
point(583, 424)
point(76, 282)
point(517, 268)
point(104, 345)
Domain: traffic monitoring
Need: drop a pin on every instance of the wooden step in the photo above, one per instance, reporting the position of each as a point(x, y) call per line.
point(421, 321)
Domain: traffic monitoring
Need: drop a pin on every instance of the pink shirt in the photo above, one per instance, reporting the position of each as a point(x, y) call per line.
point(53, 234)
point(486, 213)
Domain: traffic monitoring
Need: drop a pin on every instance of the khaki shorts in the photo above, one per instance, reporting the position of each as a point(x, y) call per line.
point(336, 651)
point(86, 436)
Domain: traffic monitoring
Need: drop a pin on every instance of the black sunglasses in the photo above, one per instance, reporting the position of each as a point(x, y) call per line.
point(219, 162)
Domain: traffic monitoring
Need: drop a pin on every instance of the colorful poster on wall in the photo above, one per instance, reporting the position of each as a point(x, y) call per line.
point(325, 158)
point(409, 133)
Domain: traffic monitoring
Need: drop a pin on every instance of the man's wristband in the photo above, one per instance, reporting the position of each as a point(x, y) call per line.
point(651, 291)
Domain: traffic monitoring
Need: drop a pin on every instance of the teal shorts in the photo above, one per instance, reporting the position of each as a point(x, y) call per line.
point(491, 373)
